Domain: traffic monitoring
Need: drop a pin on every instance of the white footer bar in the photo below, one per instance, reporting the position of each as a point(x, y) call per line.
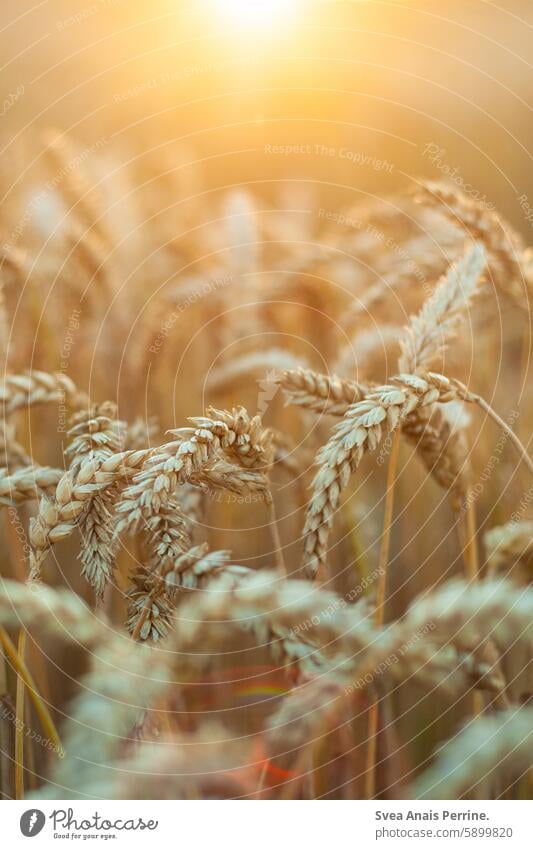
point(267, 825)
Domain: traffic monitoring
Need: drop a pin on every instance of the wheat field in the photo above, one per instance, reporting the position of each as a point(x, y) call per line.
point(266, 485)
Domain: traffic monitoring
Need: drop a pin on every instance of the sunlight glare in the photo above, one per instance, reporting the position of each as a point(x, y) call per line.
point(256, 14)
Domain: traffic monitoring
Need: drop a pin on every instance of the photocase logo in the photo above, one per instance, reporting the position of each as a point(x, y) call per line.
point(32, 822)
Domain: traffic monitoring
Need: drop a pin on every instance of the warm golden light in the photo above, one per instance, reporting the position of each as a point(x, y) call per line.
point(256, 14)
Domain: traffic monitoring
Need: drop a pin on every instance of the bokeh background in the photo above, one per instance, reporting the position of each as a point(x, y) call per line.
point(381, 78)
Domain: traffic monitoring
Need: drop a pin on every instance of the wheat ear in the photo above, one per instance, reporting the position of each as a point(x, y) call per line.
point(28, 389)
point(58, 518)
point(360, 431)
point(321, 393)
point(235, 433)
point(508, 545)
point(501, 744)
point(27, 484)
point(432, 328)
point(503, 245)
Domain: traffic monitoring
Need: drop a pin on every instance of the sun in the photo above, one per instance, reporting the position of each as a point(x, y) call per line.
point(255, 14)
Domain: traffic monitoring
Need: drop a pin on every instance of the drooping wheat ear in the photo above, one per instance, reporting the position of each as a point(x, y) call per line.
point(500, 745)
point(222, 475)
point(27, 484)
point(442, 446)
point(236, 434)
point(432, 328)
point(360, 431)
point(465, 615)
point(153, 597)
point(154, 594)
point(508, 546)
point(149, 611)
point(58, 518)
point(167, 537)
point(12, 454)
point(19, 391)
point(504, 246)
point(55, 614)
point(192, 501)
point(321, 392)
point(169, 540)
point(272, 361)
point(316, 631)
point(95, 436)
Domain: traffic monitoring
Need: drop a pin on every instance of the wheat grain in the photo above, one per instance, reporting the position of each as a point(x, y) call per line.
point(27, 484)
point(235, 433)
point(19, 391)
point(320, 392)
point(57, 519)
point(432, 328)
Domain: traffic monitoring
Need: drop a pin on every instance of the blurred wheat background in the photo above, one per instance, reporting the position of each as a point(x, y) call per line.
point(216, 204)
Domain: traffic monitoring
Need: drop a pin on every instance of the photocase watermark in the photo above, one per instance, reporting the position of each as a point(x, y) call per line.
point(356, 157)
point(39, 199)
point(490, 466)
point(8, 714)
point(221, 496)
point(344, 220)
point(202, 291)
point(340, 603)
point(525, 503)
point(66, 824)
point(268, 388)
point(391, 660)
point(526, 208)
point(20, 532)
point(32, 822)
point(66, 350)
point(83, 14)
point(11, 99)
point(437, 156)
point(186, 73)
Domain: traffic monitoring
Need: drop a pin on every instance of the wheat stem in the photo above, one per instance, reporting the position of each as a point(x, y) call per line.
point(370, 775)
point(18, 663)
point(477, 399)
point(276, 538)
point(19, 722)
